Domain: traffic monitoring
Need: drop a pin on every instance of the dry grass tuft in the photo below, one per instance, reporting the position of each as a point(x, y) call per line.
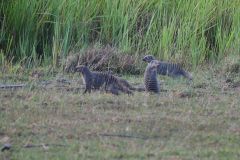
point(101, 59)
point(231, 65)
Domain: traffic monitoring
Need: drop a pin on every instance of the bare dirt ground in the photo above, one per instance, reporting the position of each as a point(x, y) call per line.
point(51, 119)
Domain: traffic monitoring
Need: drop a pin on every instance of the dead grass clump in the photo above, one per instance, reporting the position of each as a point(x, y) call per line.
point(103, 59)
point(71, 62)
point(234, 68)
point(231, 65)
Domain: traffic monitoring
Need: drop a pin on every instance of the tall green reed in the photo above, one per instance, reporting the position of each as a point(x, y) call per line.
point(189, 31)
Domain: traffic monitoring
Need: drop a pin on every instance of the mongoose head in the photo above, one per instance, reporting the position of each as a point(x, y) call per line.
point(148, 58)
point(81, 68)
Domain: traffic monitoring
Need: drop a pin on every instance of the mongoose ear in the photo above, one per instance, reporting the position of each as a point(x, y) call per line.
point(145, 58)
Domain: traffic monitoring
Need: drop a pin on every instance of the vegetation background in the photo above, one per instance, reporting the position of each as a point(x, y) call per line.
point(189, 31)
point(49, 118)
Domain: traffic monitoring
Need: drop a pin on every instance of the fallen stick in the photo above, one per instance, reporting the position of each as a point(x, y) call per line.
point(128, 136)
point(12, 86)
point(43, 145)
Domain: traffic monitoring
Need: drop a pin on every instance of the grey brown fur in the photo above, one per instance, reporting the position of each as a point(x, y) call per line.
point(150, 77)
point(169, 69)
point(96, 80)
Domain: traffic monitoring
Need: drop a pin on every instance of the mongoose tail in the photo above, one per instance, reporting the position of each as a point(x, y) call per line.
point(188, 75)
point(129, 86)
point(117, 83)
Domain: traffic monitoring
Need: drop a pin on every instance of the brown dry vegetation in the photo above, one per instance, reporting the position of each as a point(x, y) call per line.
point(104, 59)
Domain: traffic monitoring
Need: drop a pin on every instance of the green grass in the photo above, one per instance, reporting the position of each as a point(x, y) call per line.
point(202, 125)
point(181, 30)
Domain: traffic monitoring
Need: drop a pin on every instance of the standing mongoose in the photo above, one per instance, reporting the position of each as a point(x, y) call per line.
point(150, 77)
point(169, 69)
point(95, 80)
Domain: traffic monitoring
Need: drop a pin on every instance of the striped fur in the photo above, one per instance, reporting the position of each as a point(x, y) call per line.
point(150, 77)
point(169, 69)
point(96, 80)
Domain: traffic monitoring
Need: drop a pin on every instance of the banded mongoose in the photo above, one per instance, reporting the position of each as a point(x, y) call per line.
point(168, 68)
point(150, 77)
point(95, 80)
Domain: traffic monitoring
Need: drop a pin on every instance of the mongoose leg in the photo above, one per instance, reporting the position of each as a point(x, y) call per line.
point(85, 91)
